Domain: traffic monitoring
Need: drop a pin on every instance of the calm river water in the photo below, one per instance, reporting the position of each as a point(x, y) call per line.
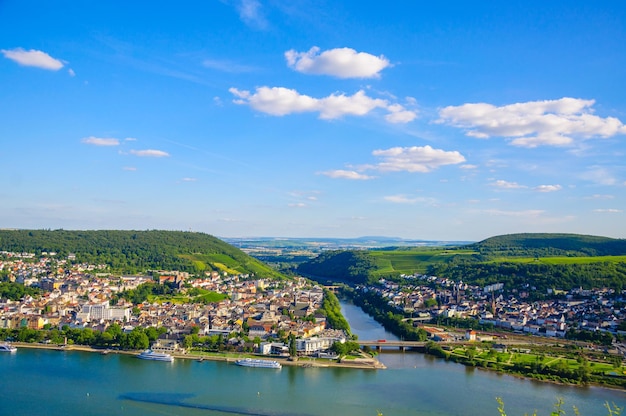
point(38, 382)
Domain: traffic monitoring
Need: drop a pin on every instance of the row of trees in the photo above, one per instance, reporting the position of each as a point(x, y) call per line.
point(112, 337)
point(332, 310)
point(596, 337)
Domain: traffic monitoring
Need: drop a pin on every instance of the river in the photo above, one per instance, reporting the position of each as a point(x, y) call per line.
point(40, 382)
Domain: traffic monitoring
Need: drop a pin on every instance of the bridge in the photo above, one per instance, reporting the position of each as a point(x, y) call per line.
point(384, 343)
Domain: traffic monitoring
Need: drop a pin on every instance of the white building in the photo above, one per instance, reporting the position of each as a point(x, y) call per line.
point(308, 346)
point(102, 311)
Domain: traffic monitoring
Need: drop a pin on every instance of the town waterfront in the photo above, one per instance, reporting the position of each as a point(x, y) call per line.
point(60, 383)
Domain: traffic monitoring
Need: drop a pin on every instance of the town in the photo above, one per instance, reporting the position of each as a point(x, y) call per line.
point(79, 295)
point(256, 314)
point(431, 298)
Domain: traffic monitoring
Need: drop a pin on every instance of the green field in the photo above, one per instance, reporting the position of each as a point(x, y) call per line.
point(409, 261)
point(203, 296)
point(228, 264)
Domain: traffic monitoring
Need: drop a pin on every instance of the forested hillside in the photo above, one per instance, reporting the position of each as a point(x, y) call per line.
point(542, 261)
point(137, 251)
point(542, 245)
point(541, 276)
point(353, 266)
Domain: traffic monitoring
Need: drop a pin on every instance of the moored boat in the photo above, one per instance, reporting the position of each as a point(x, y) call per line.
point(6, 347)
point(249, 362)
point(155, 356)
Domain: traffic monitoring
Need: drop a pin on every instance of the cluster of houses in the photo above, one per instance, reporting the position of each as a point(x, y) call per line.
point(79, 296)
point(427, 298)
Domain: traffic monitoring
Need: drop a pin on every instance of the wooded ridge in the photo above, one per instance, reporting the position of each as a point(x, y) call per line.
point(138, 251)
point(543, 261)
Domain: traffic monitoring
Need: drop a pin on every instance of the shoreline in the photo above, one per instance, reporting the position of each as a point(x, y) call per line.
point(362, 364)
point(365, 364)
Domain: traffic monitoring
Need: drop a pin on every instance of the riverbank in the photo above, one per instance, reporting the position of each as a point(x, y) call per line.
point(358, 363)
point(57, 383)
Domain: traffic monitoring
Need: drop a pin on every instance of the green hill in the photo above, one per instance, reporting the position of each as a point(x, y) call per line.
point(541, 261)
point(353, 266)
point(138, 251)
point(543, 245)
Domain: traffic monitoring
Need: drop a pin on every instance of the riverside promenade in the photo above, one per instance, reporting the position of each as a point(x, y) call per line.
point(365, 363)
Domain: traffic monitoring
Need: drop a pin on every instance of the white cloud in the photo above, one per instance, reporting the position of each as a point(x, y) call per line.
point(71, 72)
point(599, 196)
point(339, 62)
point(308, 195)
point(398, 114)
point(33, 57)
point(404, 199)
point(502, 184)
point(534, 123)
point(251, 14)
point(608, 210)
point(531, 213)
point(101, 141)
point(468, 166)
point(346, 174)
point(402, 159)
point(280, 101)
point(548, 188)
point(226, 66)
point(297, 205)
point(149, 153)
point(415, 159)
point(189, 179)
point(129, 168)
point(276, 101)
point(599, 175)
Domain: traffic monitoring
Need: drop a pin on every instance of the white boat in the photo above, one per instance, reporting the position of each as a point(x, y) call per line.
point(156, 356)
point(6, 347)
point(249, 362)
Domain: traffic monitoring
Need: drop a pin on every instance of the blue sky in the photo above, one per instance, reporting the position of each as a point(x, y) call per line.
point(309, 118)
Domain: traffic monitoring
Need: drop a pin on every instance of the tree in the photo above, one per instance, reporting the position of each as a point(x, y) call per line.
point(292, 346)
point(135, 340)
point(115, 330)
point(188, 341)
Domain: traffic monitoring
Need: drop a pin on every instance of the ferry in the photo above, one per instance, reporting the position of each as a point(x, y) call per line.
point(6, 347)
point(249, 362)
point(155, 356)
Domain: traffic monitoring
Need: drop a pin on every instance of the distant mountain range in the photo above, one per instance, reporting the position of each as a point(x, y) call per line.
point(365, 242)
